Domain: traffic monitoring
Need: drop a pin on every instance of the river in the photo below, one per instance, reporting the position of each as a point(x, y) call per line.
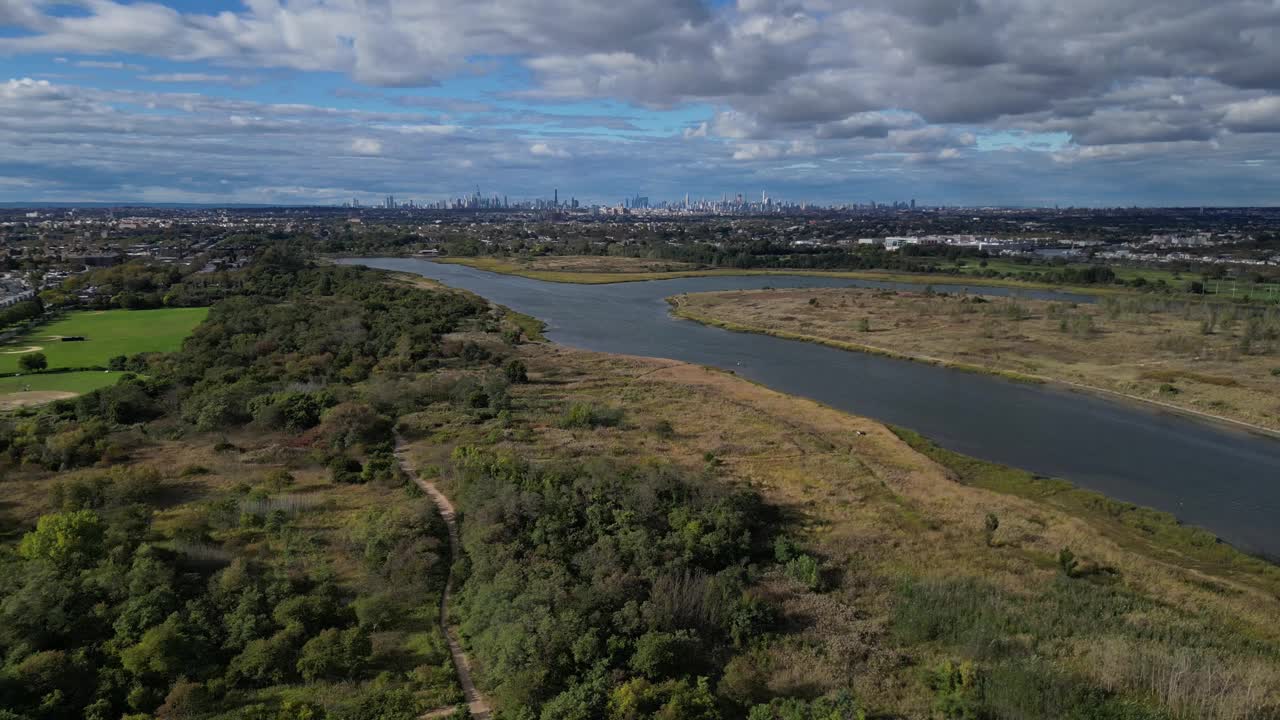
point(1216, 477)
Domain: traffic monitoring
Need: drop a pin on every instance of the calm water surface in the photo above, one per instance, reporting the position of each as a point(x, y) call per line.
point(1222, 479)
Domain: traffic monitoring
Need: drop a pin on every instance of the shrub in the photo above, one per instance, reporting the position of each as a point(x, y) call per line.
point(586, 415)
point(278, 479)
point(957, 690)
point(516, 372)
point(33, 362)
point(343, 469)
point(804, 570)
point(664, 429)
point(1067, 562)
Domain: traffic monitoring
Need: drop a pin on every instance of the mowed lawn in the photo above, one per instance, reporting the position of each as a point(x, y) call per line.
point(74, 382)
point(106, 334)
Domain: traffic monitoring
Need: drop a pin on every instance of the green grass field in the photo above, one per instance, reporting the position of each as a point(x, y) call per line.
point(107, 334)
point(74, 382)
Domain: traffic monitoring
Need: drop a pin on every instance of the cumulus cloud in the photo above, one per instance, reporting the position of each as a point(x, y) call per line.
point(852, 87)
point(1257, 115)
point(831, 71)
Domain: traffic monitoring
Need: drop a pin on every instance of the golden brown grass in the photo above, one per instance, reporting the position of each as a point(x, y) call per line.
point(577, 272)
point(878, 512)
point(1144, 348)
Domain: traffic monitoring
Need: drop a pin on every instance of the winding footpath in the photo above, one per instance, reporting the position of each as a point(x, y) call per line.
point(479, 706)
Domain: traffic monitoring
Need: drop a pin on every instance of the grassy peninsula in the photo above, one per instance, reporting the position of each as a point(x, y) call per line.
point(1217, 359)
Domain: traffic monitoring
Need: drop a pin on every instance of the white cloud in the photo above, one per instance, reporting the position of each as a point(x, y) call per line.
point(109, 65)
point(1257, 115)
point(542, 149)
point(366, 146)
point(201, 79)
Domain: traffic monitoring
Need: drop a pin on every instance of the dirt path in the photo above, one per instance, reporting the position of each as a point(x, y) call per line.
point(479, 706)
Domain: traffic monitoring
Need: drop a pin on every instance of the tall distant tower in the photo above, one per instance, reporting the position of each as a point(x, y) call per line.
point(556, 202)
point(913, 203)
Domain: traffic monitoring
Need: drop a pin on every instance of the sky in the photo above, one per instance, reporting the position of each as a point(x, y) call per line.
point(958, 102)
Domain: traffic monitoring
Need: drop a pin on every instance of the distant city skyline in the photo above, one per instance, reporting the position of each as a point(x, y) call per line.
point(1029, 103)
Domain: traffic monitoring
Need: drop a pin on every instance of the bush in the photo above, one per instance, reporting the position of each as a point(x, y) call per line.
point(804, 570)
point(957, 690)
point(586, 415)
point(1067, 562)
point(347, 470)
point(351, 424)
point(33, 362)
point(516, 372)
point(278, 479)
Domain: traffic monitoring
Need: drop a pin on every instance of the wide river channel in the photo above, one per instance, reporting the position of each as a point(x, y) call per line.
point(1220, 478)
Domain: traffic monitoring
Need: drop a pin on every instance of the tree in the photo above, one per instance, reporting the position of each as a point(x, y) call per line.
point(516, 372)
point(334, 654)
point(68, 541)
point(164, 650)
point(33, 362)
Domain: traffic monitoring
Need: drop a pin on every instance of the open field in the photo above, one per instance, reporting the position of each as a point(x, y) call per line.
point(1218, 360)
point(900, 533)
point(107, 334)
point(74, 383)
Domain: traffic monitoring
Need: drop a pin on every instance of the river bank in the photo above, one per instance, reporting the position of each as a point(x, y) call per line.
point(1151, 354)
point(554, 269)
point(892, 519)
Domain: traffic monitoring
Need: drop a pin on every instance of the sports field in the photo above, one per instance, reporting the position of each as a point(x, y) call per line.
point(36, 389)
point(106, 334)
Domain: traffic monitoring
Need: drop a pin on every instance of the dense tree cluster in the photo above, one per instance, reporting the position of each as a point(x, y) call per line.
point(598, 590)
point(103, 614)
point(279, 352)
point(100, 616)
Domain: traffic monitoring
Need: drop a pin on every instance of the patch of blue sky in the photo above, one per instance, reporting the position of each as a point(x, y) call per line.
point(1009, 140)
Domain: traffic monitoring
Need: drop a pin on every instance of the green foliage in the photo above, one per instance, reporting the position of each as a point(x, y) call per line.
point(957, 690)
point(573, 566)
point(334, 654)
point(32, 362)
point(805, 570)
point(292, 411)
point(1067, 562)
point(515, 371)
point(384, 704)
point(68, 541)
point(838, 706)
point(587, 415)
point(673, 699)
point(989, 526)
